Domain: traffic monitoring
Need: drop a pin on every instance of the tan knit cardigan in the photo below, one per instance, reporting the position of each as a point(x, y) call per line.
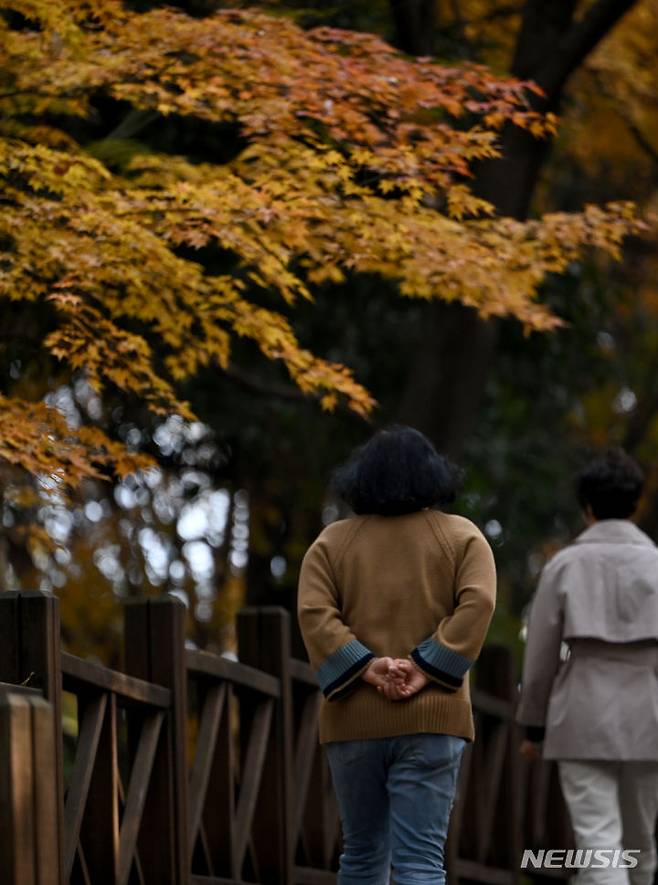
point(422, 584)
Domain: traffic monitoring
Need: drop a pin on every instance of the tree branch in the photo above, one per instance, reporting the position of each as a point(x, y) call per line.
point(642, 140)
point(506, 11)
point(579, 41)
point(133, 123)
point(267, 389)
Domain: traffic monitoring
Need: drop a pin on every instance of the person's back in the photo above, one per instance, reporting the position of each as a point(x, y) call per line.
point(609, 580)
point(398, 577)
point(596, 713)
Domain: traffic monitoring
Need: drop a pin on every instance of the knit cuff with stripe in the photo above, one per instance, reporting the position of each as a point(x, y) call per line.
point(338, 673)
point(440, 663)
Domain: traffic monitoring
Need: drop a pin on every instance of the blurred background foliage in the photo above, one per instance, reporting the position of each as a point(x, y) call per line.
point(237, 497)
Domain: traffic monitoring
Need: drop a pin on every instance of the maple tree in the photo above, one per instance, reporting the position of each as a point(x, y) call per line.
point(352, 159)
point(541, 405)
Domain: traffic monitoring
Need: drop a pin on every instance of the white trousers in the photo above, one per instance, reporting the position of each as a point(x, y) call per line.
point(613, 805)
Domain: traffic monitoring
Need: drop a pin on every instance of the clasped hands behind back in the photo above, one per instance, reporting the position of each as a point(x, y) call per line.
point(395, 678)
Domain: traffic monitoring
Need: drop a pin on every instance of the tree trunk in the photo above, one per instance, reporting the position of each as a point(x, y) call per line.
point(415, 23)
point(457, 350)
point(448, 374)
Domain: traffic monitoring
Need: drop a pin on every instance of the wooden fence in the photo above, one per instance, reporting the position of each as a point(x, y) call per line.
point(191, 769)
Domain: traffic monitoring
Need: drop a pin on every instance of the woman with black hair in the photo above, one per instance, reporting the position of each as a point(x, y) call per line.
point(394, 605)
point(595, 710)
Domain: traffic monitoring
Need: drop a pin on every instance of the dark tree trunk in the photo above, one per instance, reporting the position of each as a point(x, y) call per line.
point(415, 23)
point(448, 374)
point(457, 350)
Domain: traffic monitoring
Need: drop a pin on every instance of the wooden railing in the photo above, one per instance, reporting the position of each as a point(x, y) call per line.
point(191, 769)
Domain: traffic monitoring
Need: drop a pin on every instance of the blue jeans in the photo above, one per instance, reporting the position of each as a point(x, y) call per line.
point(394, 798)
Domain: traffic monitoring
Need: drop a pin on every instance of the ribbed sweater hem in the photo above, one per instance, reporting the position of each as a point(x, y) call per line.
point(366, 714)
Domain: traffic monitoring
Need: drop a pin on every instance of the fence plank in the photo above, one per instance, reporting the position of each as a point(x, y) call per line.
point(45, 792)
point(301, 671)
point(214, 880)
point(30, 634)
point(82, 866)
point(17, 835)
point(252, 776)
point(154, 650)
point(308, 876)
point(321, 824)
point(85, 758)
point(491, 787)
point(140, 777)
point(306, 746)
point(219, 810)
point(100, 825)
point(476, 872)
point(202, 663)
point(208, 731)
point(79, 674)
point(264, 642)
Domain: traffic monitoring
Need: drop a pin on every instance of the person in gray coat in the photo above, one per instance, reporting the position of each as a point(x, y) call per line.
point(595, 708)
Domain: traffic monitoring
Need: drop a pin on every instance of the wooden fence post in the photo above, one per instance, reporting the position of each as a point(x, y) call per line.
point(30, 655)
point(264, 643)
point(497, 675)
point(29, 848)
point(154, 650)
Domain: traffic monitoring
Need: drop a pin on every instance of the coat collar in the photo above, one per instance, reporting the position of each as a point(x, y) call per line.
point(614, 531)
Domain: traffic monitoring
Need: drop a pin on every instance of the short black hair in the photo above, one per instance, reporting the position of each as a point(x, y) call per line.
point(611, 485)
point(397, 471)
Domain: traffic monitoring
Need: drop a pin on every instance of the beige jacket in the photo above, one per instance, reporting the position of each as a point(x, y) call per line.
point(599, 596)
point(422, 584)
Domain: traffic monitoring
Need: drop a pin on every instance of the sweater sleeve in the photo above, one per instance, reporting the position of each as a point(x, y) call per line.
point(334, 652)
point(453, 648)
point(542, 652)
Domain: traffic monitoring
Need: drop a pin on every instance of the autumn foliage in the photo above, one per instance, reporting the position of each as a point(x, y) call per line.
point(351, 159)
